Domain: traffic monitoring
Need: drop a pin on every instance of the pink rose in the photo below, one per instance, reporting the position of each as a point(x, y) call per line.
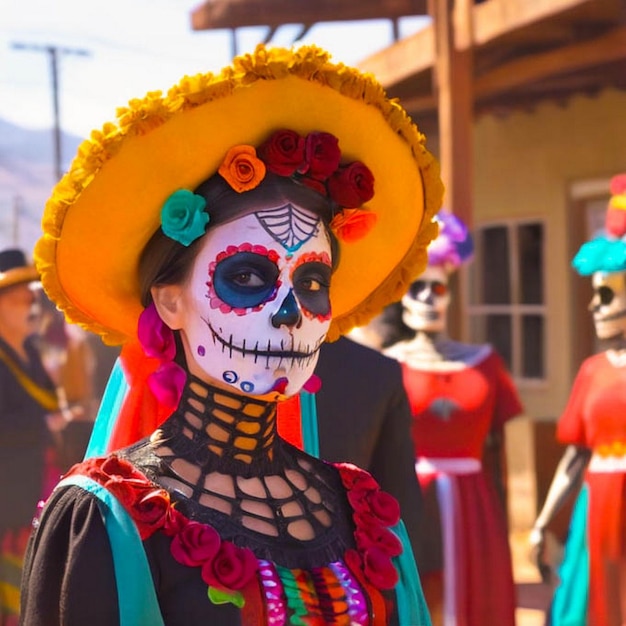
point(352, 185)
point(156, 339)
point(283, 152)
point(232, 568)
point(379, 569)
point(196, 544)
point(322, 155)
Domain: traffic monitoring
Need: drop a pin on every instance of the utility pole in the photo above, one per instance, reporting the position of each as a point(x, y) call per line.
point(53, 54)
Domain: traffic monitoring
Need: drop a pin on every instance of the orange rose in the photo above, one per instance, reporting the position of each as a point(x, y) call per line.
point(242, 169)
point(352, 224)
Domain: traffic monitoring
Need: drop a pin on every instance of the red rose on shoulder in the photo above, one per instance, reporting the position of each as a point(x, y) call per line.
point(322, 154)
point(232, 567)
point(384, 507)
point(114, 466)
point(195, 544)
point(378, 537)
point(379, 569)
point(352, 185)
point(150, 512)
point(283, 152)
point(352, 477)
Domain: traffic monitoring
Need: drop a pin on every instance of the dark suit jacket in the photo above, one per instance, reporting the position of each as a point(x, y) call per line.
point(364, 418)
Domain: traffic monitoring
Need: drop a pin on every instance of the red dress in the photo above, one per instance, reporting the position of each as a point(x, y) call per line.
point(595, 417)
point(453, 413)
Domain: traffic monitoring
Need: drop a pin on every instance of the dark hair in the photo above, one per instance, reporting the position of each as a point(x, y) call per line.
point(165, 261)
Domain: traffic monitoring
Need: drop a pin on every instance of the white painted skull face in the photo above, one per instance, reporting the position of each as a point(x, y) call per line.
point(257, 301)
point(425, 304)
point(608, 304)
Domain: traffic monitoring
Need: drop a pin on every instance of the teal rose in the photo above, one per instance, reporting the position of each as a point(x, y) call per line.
point(183, 217)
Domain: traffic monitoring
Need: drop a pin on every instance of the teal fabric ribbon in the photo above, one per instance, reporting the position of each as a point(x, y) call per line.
point(571, 597)
point(138, 604)
point(110, 406)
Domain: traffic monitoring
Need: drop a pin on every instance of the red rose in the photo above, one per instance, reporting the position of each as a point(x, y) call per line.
point(283, 152)
point(352, 185)
point(232, 568)
point(150, 512)
point(322, 155)
point(352, 476)
point(384, 507)
point(365, 519)
point(379, 537)
point(196, 544)
point(114, 466)
point(379, 569)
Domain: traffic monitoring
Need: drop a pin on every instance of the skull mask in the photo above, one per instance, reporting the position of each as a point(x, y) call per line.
point(608, 304)
point(425, 304)
point(256, 306)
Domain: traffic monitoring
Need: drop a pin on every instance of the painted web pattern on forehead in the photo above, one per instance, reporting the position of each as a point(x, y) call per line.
point(290, 226)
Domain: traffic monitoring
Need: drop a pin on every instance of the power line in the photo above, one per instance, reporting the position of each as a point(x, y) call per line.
point(53, 54)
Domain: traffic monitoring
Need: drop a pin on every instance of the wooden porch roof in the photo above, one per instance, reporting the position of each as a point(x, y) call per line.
point(475, 57)
point(523, 52)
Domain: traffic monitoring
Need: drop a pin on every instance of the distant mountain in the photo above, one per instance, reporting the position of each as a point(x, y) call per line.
point(26, 179)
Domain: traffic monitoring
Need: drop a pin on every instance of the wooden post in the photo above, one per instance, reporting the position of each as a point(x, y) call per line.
point(452, 23)
point(454, 77)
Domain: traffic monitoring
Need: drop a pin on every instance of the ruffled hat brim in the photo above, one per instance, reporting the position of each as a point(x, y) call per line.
point(105, 209)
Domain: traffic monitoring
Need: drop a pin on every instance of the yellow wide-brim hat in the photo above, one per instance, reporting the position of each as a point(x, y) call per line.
point(106, 208)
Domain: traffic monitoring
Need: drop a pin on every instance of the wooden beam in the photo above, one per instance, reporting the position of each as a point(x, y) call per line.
point(452, 21)
point(490, 20)
point(498, 17)
point(214, 14)
point(608, 48)
point(401, 60)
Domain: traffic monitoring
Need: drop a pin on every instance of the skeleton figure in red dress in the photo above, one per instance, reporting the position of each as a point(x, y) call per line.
point(592, 577)
point(461, 396)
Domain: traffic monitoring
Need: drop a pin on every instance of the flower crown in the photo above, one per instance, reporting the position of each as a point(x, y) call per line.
point(314, 161)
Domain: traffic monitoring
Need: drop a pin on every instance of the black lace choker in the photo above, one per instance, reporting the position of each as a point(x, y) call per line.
point(217, 429)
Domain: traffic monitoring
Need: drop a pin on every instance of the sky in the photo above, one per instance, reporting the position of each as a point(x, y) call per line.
point(114, 50)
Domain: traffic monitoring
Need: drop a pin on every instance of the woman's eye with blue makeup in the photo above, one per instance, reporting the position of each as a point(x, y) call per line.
point(245, 279)
point(248, 278)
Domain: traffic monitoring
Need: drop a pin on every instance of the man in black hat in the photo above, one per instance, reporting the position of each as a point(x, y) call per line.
point(28, 413)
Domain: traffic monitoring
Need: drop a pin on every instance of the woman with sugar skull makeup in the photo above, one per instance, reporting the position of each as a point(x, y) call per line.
point(221, 233)
point(591, 579)
point(461, 396)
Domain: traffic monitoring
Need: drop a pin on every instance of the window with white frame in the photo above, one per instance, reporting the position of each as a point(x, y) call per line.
point(506, 294)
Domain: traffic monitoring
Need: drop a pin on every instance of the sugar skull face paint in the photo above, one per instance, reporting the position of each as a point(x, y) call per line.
point(608, 304)
point(256, 306)
point(425, 304)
